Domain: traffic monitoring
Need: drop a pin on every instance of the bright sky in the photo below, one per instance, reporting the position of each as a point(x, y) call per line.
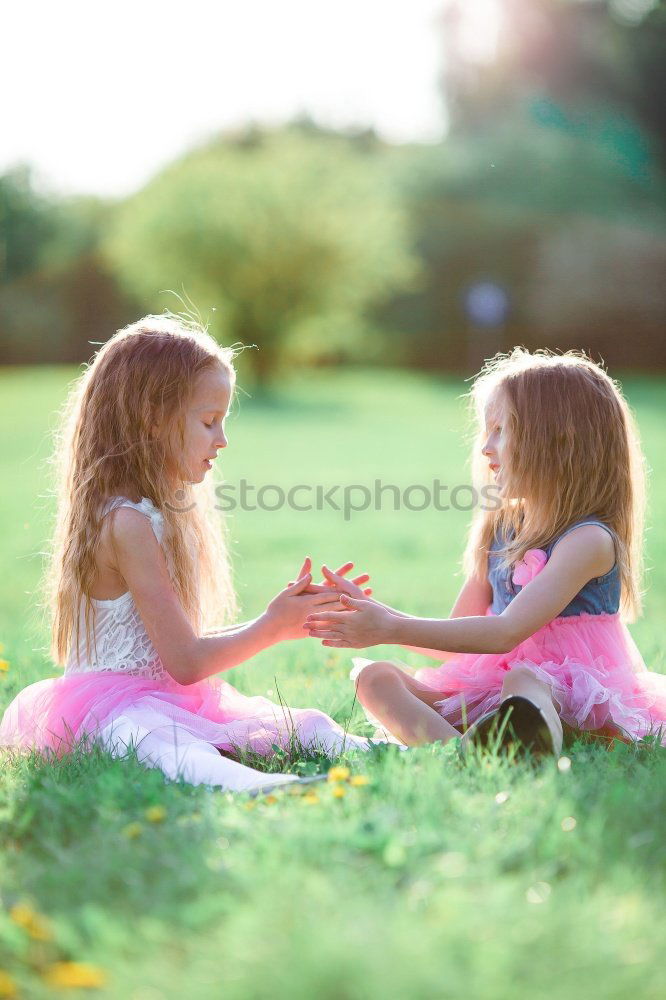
point(105, 93)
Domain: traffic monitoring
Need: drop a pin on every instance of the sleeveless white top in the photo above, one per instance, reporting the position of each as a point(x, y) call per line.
point(121, 643)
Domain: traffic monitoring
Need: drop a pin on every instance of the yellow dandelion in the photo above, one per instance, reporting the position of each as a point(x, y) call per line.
point(338, 774)
point(155, 814)
point(338, 792)
point(4, 666)
point(133, 830)
point(250, 804)
point(270, 800)
point(73, 975)
point(311, 798)
point(359, 780)
point(33, 923)
point(7, 985)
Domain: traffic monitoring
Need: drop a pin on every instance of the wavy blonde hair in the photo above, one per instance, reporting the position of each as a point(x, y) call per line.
point(141, 379)
point(574, 453)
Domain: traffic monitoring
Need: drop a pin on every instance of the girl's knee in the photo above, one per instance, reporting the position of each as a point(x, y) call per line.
point(374, 676)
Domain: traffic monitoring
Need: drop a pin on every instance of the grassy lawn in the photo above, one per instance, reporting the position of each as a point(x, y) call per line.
point(436, 878)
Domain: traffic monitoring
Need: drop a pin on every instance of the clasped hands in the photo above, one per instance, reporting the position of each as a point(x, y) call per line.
point(354, 622)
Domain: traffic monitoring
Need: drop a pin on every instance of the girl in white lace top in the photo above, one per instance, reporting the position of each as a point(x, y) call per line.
point(140, 571)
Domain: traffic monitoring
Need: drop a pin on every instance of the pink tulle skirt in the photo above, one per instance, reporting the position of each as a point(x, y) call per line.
point(597, 677)
point(174, 727)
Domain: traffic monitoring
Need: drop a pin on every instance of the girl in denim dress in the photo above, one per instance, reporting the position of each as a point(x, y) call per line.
point(538, 632)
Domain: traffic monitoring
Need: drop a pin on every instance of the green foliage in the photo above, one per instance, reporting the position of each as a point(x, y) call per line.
point(563, 210)
point(545, 160)
point(582, 55)
point(321, 247)
point(57, 296)
point(284, 235)
point(26, 224)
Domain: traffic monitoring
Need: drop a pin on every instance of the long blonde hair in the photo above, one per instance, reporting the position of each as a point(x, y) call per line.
point(141, 379)
point(574, 453)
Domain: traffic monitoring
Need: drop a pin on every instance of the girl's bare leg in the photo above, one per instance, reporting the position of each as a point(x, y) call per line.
point(402, 704)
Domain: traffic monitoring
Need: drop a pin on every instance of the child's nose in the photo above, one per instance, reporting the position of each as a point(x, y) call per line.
point(222, 441)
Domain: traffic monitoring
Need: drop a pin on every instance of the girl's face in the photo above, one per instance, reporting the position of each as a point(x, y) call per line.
point(495, 449)
point(204, 424)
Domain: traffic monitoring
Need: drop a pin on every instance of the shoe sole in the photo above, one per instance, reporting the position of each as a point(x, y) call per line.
point(517, 720)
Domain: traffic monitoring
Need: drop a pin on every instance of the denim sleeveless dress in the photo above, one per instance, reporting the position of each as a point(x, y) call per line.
point(600, 595)
point(586, 654)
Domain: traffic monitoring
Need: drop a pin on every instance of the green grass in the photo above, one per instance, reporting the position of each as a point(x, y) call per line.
point(422, 883)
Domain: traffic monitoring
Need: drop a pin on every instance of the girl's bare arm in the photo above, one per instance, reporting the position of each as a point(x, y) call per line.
point(585, 553)
point(186, 656)
point(473, 599)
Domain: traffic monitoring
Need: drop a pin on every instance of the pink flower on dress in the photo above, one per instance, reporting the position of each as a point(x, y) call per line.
point(529, 567)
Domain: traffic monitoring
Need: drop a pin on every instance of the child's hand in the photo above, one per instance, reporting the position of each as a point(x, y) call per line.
point(352, 588)
point(313, 588)
point(287, 612)
point(336, 580)
point(369, 624)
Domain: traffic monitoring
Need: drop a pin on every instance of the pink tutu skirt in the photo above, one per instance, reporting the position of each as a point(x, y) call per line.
point(597, 677)
point(173, 727)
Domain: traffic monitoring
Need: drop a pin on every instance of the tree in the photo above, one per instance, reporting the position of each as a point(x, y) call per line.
point(571, 232)
point(57, 297)
point(579, 54)
point(280, 233)
point(547, 186)
point(26, 223)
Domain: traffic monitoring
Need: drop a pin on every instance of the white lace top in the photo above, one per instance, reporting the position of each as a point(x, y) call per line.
point(121, 643)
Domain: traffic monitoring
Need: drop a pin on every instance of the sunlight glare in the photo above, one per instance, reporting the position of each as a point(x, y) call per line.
point(480, 25)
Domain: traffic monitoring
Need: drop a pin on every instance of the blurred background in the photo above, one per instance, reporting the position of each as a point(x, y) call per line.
point(414, 184)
